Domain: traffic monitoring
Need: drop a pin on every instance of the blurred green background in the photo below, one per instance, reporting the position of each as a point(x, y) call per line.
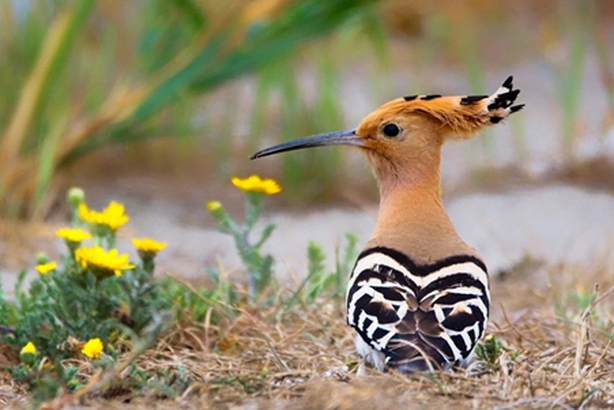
point(183, 88)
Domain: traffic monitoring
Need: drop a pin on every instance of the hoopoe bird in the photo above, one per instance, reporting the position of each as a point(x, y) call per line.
point(418, 296)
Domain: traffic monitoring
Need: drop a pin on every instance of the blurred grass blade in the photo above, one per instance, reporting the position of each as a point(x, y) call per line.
point(46, 163)
point(192, 12)
point(570, 74)
point(51, 58)
point(268, 40)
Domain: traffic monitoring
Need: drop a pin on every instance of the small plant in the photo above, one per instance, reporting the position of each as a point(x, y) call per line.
point(320, 283)
point(573, 306)
point(194, 305)
point(258, 267)
point(489, 351)
point(79, 307)
point(34, 368)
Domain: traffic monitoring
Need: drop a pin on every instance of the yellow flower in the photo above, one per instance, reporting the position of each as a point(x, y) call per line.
point(213, 206)
point(257, 185)
point(44, 268)
point(148, 246)
point(102, 263)
point(29, 348)
point(92, 348)
point(112, 216)
point(73, 235)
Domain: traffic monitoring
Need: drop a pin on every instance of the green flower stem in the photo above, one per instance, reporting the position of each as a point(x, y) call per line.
point(29, 359)
point(110, 239)
point(70, 260)
point(253, 209)
point(248, 256)
point(149, 264)
point(257, 266)
point(103, 236)
point(223, 219)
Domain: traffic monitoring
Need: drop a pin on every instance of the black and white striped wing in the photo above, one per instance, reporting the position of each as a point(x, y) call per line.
point(418, 317)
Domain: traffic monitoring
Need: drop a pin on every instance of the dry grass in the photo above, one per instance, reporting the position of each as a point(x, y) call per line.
point(304, 359)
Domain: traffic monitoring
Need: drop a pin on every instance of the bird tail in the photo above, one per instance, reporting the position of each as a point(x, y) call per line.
point(464, 115)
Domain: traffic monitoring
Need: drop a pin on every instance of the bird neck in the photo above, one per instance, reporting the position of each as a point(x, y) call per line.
point(412, 220)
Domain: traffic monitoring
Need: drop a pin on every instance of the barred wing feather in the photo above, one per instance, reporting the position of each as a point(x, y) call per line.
point(418, 317)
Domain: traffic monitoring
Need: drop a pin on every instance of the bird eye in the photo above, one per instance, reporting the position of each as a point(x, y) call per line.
point(391, 130)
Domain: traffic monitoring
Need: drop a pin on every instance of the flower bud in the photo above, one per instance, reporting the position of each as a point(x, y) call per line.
point(75, 196)
point(41, 258)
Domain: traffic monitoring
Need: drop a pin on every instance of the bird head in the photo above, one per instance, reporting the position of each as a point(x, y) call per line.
point(402, 139)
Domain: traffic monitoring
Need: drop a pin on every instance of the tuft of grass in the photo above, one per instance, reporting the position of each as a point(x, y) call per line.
point(319, 284)
point(575, 28)
point(604, 56)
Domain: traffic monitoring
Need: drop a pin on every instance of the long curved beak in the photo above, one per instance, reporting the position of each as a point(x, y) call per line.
point(346, 137)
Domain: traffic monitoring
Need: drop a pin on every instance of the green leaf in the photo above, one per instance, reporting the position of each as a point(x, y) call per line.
point(315, 260)
point(192, 11)
point(265, 235)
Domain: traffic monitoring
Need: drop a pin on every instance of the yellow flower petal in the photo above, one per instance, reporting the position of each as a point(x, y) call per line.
point(85, 213)
point(29, 348)
point(45, 268)
point(148, 245)
point(255, 184)
point(102, 263)
point(112, 216)
point(92, 348)
point(73, 235)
